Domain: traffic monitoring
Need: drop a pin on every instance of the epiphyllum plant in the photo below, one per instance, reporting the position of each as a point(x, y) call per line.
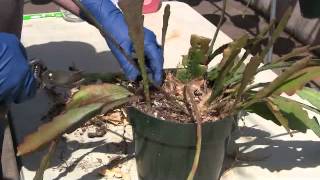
point(201, 93)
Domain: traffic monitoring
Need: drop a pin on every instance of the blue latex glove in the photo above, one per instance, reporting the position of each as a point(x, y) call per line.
point(16, 79)
point(112, 20)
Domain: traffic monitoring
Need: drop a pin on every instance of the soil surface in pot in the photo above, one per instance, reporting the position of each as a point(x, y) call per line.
point(169, 103)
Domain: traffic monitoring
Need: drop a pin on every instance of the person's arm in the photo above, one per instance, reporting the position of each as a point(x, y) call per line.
point(11, 16)
point(68, 5)
point(17, 82)
point(113, 22)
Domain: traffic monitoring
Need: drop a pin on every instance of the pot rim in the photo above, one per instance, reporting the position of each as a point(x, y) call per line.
point(178, 123)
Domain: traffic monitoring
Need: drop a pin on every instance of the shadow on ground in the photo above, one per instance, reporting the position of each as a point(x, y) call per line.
point(26, 117)
point(248, 22)
point(275, 154)
point(60, 55)
point(214, 18)
point(100, 146)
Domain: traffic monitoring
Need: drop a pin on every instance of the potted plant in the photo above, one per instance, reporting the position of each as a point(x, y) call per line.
point(181, 128)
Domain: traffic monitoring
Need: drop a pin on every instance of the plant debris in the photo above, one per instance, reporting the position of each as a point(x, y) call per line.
point(169, 103)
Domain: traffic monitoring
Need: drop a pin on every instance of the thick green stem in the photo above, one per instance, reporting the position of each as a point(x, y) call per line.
point(166, 16)
point(218, 28)
point(132, 11)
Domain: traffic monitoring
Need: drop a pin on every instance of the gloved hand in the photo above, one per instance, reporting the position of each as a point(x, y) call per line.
point(16, 79)
point(112, 20)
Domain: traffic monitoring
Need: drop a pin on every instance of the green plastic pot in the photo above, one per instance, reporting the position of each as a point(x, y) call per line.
point(310, 8)
point(165, 149)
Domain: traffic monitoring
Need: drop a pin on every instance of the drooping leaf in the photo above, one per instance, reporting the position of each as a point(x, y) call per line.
point(282, 78)
point(297, 116)
point(56, 127)
point(299, 79)
point(311, 95)
point(84, 105)
point(97, 93)
point(291, 110)
point(282, 120)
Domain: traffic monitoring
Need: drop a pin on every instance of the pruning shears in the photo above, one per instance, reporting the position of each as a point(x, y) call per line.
point(57, 78)
point(68, 79)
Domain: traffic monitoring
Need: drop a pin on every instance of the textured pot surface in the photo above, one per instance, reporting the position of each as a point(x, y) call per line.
point(165, 149)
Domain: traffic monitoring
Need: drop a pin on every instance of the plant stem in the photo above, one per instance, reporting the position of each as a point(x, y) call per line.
point(45, 162)
point(218, 28)
point(166, 16)
point(132, 11)
point(196, 114)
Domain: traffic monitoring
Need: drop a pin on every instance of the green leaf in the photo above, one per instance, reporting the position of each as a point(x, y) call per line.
point(291, 110)
point(248, 75)
point(281, 79)
point(84, 105)
point(298, 80)
point(298, 118)
point(217, 52)
point(97, 93)
point(276, 112)
point(49, 131)
point(234, 77)
point(276, 65)
point(262, 110)
point(196, 56)
point(213, 74)
point(228, 61)
point(183, 75)
point(193, 62)
point(311, 95)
